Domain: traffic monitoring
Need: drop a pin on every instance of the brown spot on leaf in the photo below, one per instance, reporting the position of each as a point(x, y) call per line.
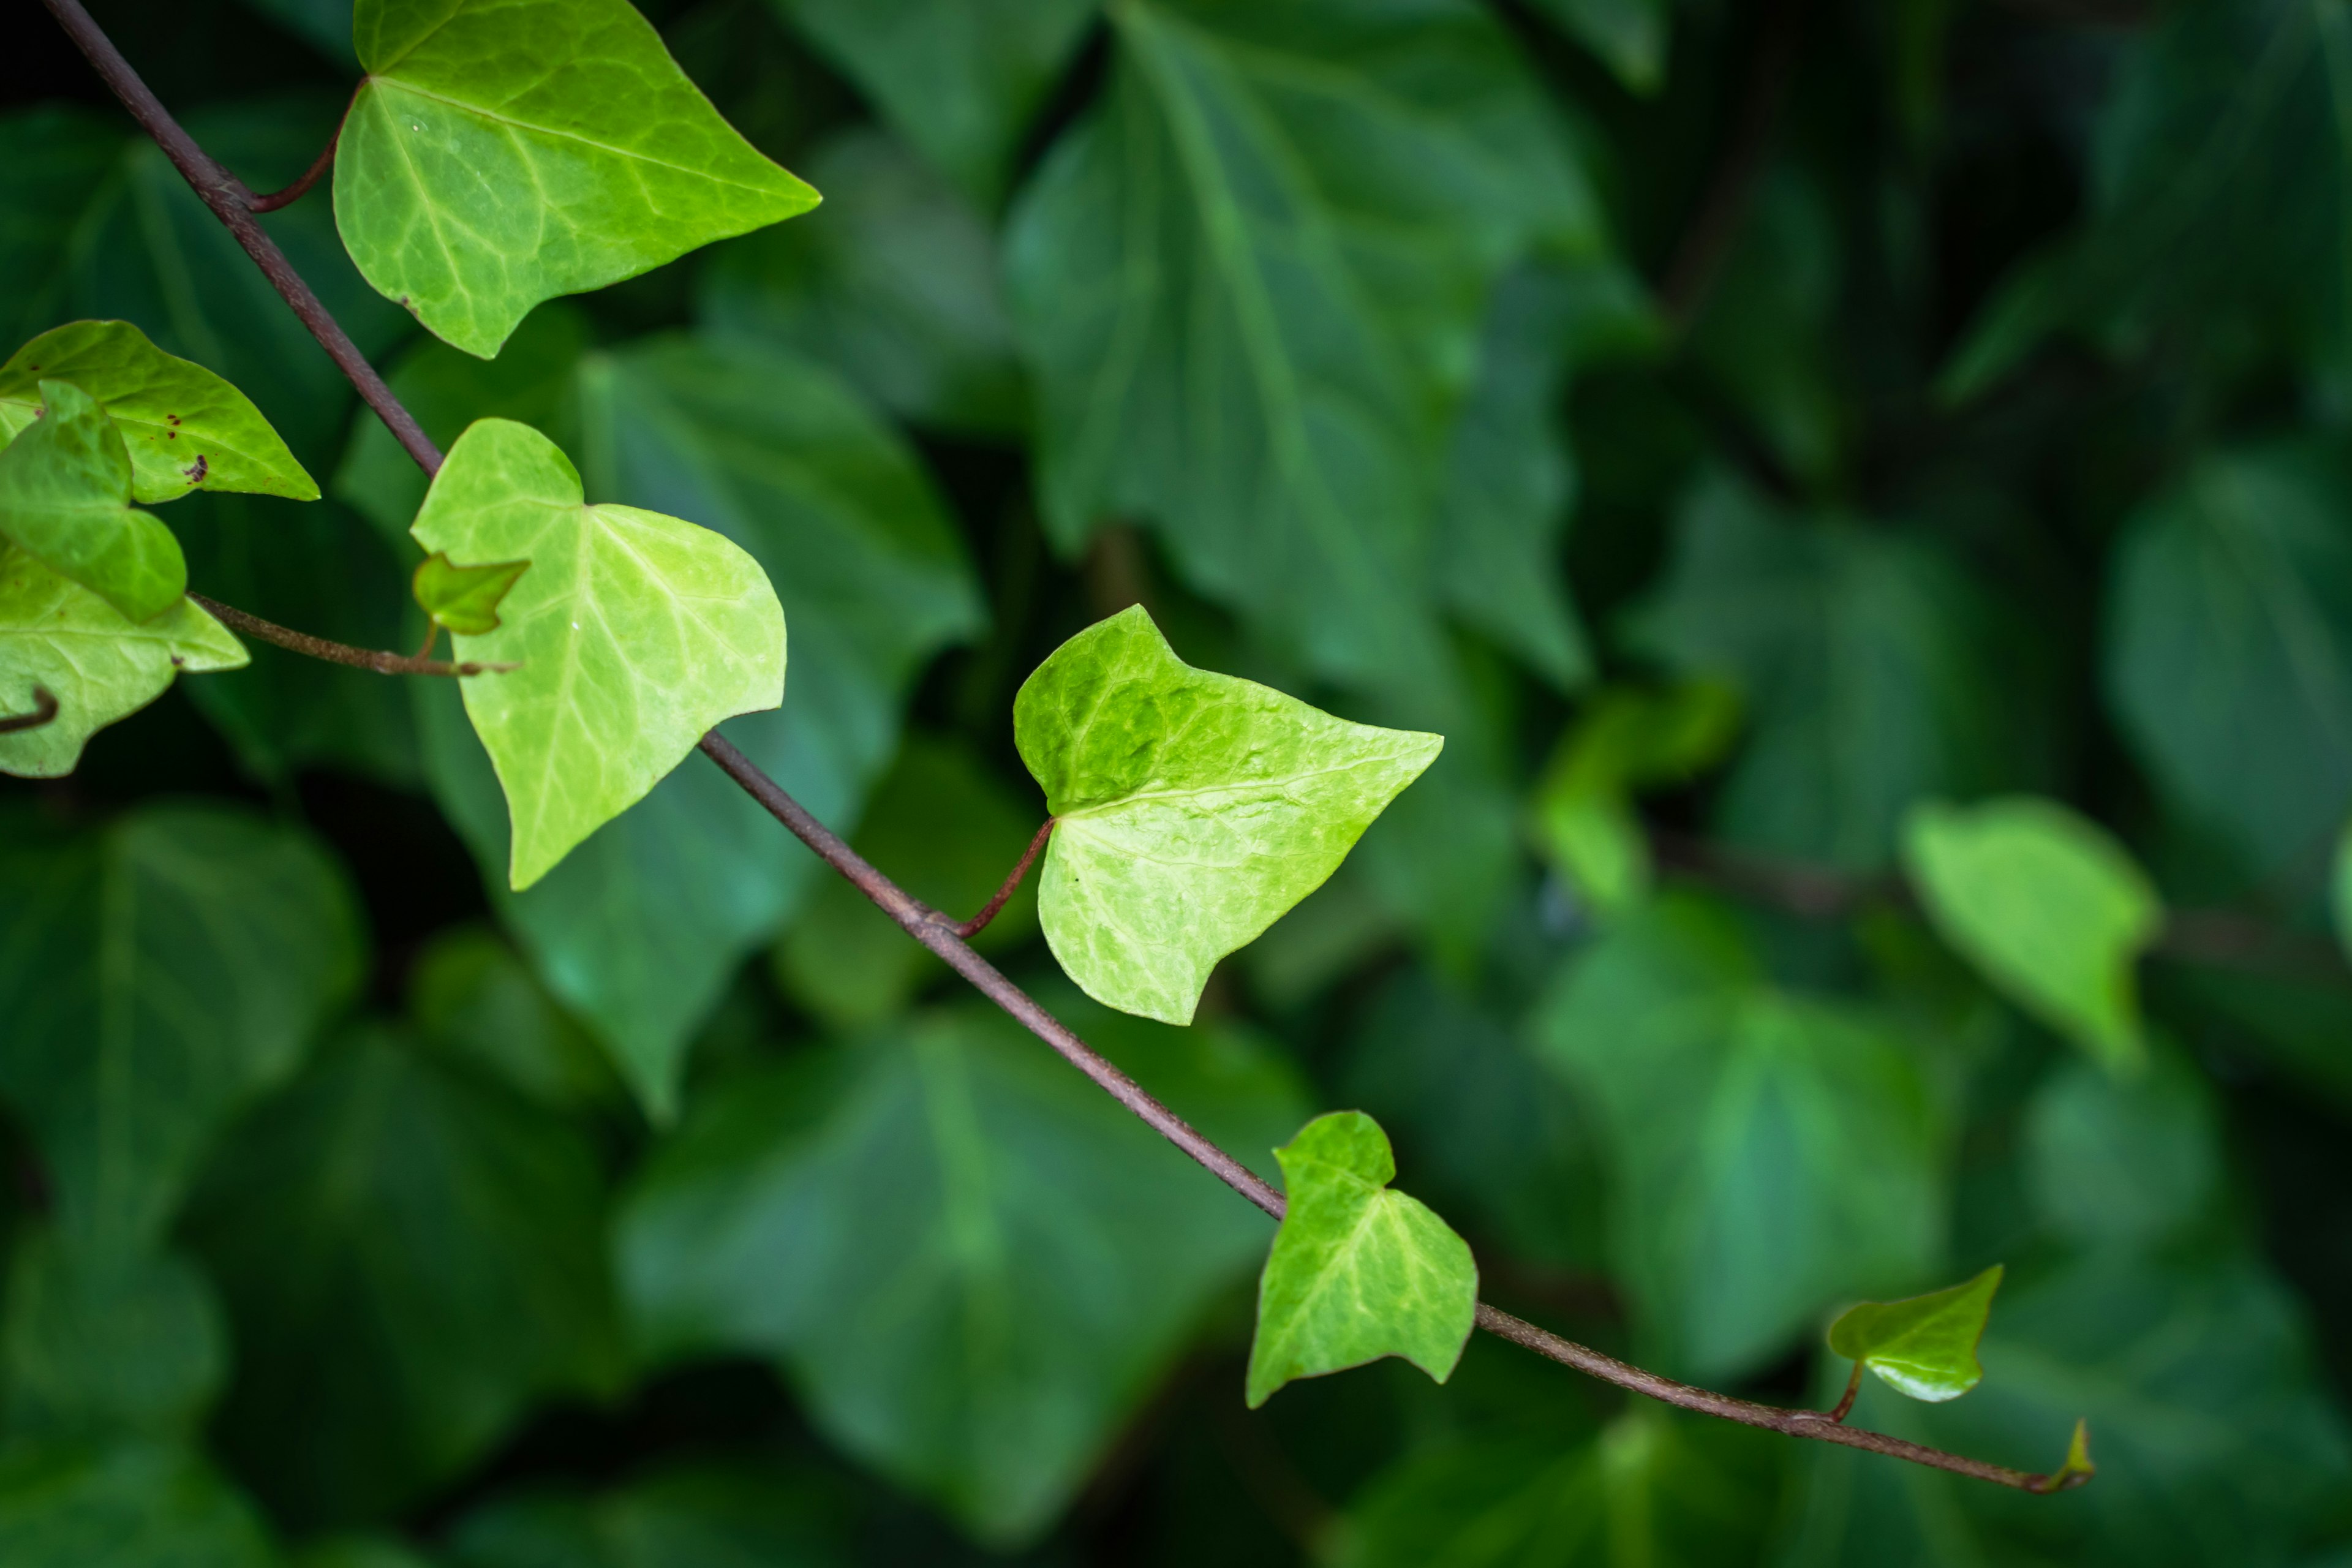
point(197, 469)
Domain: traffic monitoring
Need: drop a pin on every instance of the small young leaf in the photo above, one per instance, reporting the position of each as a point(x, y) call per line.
point(2048, 906)
point(1192, 810)
point(65, 499)
point(638, 633)
point(185, 427)
point(1358, 1271)
point(59, 637)
point(1925, 1346)
point(502, 153)
point(464, 599)
point(2076, 1468)
point(1625, 739)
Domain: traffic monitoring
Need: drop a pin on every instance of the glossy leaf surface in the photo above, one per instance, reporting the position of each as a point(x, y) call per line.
point(503, 152)
point(464, 599)
point(1358, 1271)
point(1192, 810)
point(185, 427)
point(635, 633)
point(1925, 1346)
point(65, 501)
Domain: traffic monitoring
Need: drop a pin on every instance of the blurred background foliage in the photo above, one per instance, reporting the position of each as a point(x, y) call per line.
point(1732, 425)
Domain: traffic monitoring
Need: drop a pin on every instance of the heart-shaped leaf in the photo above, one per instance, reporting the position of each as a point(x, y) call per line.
point(65, 499)
point(185, 427)
point(464, 598)
point(1925, 1346)
point(58, 636)
point(2047, 905)
point(503, 152)
point(1192, 810)
point(635, 633)
point(1357, 1272)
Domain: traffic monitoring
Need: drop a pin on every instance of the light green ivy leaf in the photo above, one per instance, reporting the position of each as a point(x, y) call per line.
point(2048, 906)
point(1358, 1271)
point(65, 499)
point(185, 427)
point(58, 636)
point(1925, 1346)
point(1192, 810)
point(503, 152)
point(464, 598)
point(636, 634)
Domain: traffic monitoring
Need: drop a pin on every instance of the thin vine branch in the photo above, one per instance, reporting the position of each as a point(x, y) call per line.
point(341, 653)
point(299, 188)
point(934, 930)
point(979, 922)
point(45, 709)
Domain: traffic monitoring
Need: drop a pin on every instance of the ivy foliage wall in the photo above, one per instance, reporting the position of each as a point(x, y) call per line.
point(1864, 487)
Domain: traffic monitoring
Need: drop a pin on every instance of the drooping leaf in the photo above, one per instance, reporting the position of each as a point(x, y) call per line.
point(958, 78)
point(2048, 906)
point(638, 928)
point(636, 633)
point(947, 829)
point(472, 997)
point(973, 1262)
point(706, 1517)
point(464, 599)
point(2228, 654)
point(1628, 35)
point(103, 1342)
point(1768, 1153)
point(502, 154)
point(1864, 661)
point(1247, 344)
point(1359, 1271)
point(893, 282)
point(2213, 1439)
point(58, 636)
point(65, 501)
point(315, 1220)
point(1192, 810)
point(128, 1505)
point(1925, 1346)
point(2136, 1160)
point(1650, 1489)
point(1626, 739)
point(185, 427)
point(155, 975)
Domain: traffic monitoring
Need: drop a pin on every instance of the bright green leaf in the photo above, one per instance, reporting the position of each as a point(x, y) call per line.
point(636, 633)
point(65, 499)
point(1191, 810)
point(958, 78)
point(2228, 647)
point(1925, 1346)
point(1251, 282)
point(1629, 36)
point(701, 1517)
point(464, 599)
point(973, 1262)
point(315, 1220)
point(59, 637)
point(129, 1505)
point(500, 154)
point(2048, 906)
point(1358, 1271)
point(893, 282)
point(1768, 1153)
point(155, 976)
point(185, 427)
point(1624, 738)
point(638, 929)
point(104, 1341)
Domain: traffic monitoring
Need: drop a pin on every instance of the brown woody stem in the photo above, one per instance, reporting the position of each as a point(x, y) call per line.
point(340, 653)
point(1846, 1401)
point(979, 922)
point(934, 930)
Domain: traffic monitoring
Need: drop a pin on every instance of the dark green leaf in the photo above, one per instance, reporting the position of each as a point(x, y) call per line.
point(101, 1342)
point(65, 501)
point(893, 282)
point(1925, 1346)
point(156, 975)
point(464, 599)
point(325, 25)
point(1623, 740)
point(973, 1262)
point(135, 1505)
point(701, 1518)
point(2136, 1160)
point(1768, 1153)
point(315, 1220)
point(471, 995)
point(500, 154)
point(1358, 1271)
point(52, 158)
point(1629, 36)
point(958, 78)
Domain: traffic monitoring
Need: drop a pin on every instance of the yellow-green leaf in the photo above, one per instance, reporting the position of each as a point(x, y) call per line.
point(65, 501)
point(464, 598)
point(1925, 1346)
